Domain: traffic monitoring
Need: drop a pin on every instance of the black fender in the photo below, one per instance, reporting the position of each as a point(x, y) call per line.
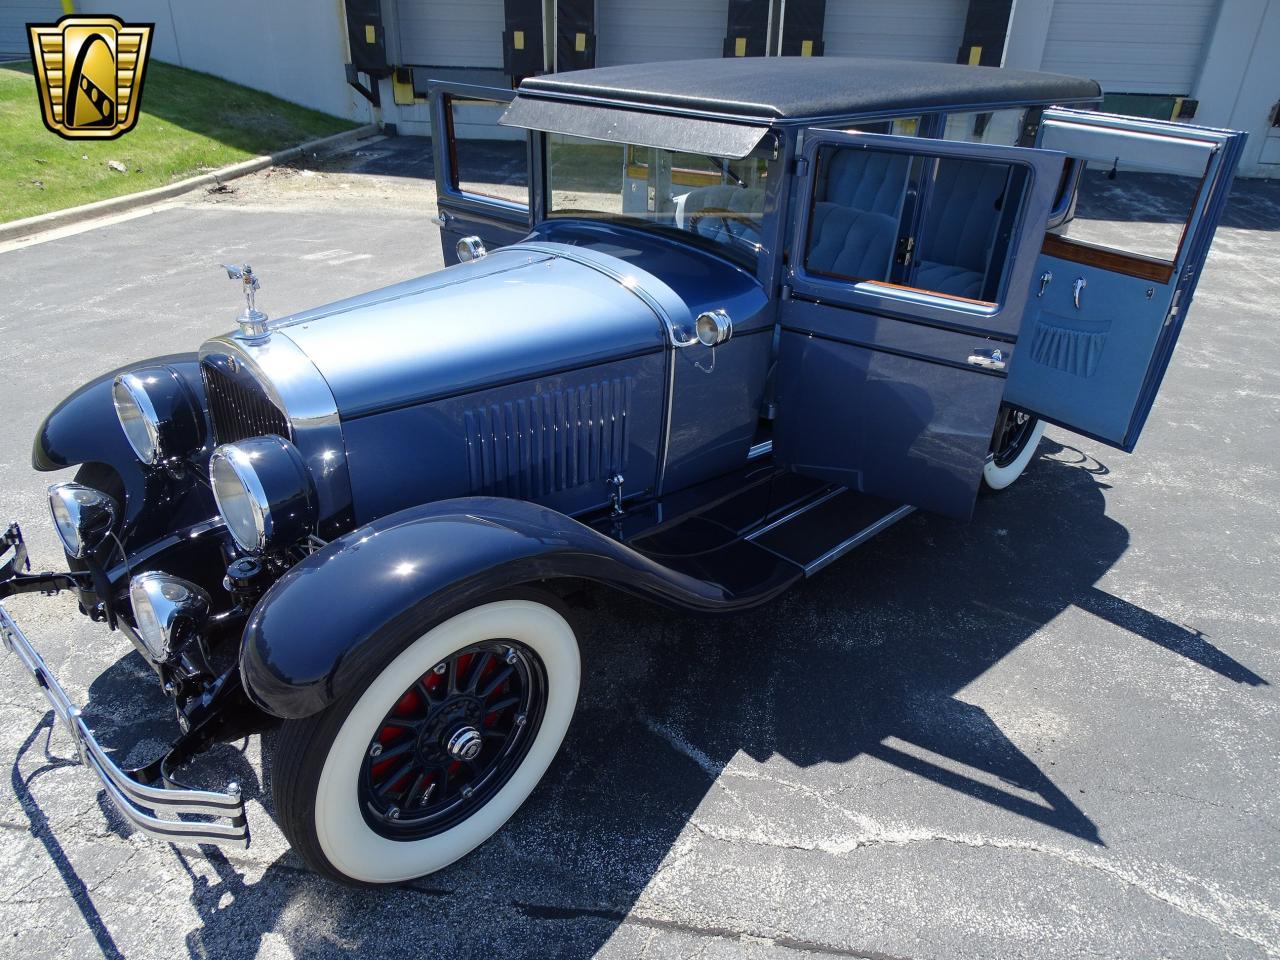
point(83, 429)
point(347, 607)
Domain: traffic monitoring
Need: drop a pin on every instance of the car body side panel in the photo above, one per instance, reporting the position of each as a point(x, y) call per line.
point(555, 440)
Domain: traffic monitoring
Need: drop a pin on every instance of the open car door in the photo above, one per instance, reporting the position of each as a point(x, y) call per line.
point(1115, 280)
point(911, 263)
point(482, 169)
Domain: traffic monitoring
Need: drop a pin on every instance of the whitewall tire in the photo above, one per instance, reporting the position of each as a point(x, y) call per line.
point(329, 777)
point(1007, 464)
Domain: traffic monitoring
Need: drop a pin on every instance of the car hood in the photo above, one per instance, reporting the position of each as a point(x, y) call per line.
point(517, 313)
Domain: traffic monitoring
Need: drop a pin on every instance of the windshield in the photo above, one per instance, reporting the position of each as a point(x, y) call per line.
point(711, 201)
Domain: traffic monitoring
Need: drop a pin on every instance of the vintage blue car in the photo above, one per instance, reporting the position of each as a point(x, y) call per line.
point(721, 322)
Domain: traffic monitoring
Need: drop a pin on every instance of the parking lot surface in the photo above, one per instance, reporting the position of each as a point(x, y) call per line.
point(1051, 732)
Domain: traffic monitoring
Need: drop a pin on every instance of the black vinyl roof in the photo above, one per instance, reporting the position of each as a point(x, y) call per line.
point(782, 88)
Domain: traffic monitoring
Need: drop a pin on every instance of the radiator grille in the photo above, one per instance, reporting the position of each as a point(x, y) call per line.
point(553, 441)
point(240, 410)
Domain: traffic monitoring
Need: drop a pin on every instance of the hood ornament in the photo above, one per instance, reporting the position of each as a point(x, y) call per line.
point(253, 322)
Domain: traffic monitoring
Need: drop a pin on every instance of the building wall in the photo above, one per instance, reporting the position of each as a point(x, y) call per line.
point(14, 17)
point(294, 49)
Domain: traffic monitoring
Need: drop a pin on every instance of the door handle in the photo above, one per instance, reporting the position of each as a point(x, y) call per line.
point(1075, 290)
point(442, 218)
point(1046, 278)
point(995, 359)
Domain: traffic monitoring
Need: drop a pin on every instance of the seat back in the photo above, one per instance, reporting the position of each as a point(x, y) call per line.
point(960, 225)
point(851, 243)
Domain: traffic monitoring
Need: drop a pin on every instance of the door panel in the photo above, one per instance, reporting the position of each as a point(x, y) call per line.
point(1096, 341)
point(903, 427)
point(483, 180)
point(901, 315)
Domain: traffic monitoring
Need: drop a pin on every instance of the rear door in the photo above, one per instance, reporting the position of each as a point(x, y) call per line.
point(909, 269)
point(482, 169)
point(1114, 282)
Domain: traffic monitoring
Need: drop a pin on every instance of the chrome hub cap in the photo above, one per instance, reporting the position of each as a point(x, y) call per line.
point(465, 744)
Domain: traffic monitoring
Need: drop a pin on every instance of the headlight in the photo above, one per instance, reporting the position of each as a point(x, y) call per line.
point(157, 414)
point(264, 492)
point(160, 602)
point(82, 516)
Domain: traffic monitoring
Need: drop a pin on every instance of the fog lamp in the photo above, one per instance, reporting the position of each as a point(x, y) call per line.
point(160, 603)
point(82, 516)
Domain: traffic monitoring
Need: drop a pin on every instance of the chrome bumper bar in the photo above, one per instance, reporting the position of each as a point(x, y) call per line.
point(147, 808)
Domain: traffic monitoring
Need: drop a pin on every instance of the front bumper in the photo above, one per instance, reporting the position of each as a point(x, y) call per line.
point(152, 810)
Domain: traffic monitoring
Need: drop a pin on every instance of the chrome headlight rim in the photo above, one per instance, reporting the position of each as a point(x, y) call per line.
point(159, 601)
point(157, 414)
point(264, 492)
point(255, 497)
point(83, 517)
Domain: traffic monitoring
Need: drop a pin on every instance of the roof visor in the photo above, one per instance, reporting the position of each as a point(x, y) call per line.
point(663, 130)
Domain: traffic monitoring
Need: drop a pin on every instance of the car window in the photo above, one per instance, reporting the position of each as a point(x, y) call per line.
point(898, 127)
point(711, 201)
point(1147, 222)
point(486, 160)
point(940, 225)
point(1003, 127)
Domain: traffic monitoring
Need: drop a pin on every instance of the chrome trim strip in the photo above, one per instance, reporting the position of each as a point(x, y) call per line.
point(138, 803)
point(866, 533)
point(760, 450)
point(787, 517)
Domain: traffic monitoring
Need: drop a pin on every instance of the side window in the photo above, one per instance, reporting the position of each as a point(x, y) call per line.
point(939, 225)
point(898, 127)
point(486, 159)
point(1002, 127)
point(1128, 215)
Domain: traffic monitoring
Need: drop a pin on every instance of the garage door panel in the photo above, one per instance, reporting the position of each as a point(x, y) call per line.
point(660, 30)
point(1130, 46)
point(445, 33)
point(14, 17)
point(922, 30)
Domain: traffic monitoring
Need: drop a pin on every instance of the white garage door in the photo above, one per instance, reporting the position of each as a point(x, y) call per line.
point(918, 30)
point(1130, 46)
point(628, 32)
point(14, 17)
point(446, 33)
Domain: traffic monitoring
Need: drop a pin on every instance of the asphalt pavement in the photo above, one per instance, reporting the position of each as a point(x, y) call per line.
point(1050, 732)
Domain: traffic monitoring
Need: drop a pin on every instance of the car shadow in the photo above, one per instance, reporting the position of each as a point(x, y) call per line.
point(869, 658)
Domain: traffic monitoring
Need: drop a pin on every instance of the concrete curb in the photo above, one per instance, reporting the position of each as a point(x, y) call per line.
point(101, 208)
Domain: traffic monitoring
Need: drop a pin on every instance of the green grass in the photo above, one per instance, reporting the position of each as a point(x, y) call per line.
point(190, 123)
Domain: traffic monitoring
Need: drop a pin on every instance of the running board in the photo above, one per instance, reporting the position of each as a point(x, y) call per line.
point(824, 529)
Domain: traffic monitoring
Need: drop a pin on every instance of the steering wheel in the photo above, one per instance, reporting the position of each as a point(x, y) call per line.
point(725, 216)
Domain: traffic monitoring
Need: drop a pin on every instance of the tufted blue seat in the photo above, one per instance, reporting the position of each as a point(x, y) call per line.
point(865, 180)
point(960, 226)
point(851, 243)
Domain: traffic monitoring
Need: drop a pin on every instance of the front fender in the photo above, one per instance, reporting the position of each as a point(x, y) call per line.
point(351, 605)
point(83, 429)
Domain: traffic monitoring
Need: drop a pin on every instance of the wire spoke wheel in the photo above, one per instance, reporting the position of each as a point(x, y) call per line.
point(452, 740)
